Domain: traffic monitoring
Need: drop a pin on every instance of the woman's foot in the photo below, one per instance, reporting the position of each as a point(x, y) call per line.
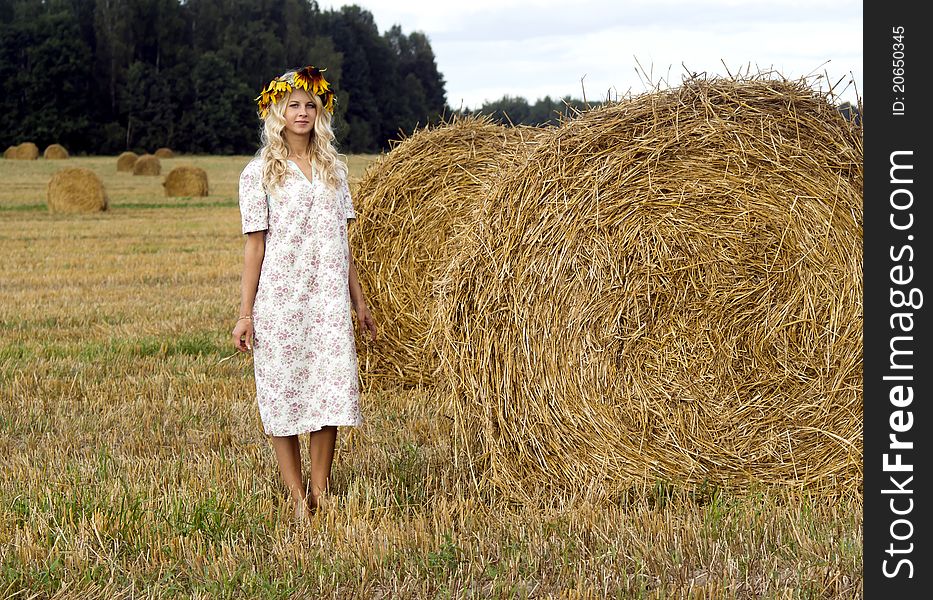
point(302, 510)
point(317, 501)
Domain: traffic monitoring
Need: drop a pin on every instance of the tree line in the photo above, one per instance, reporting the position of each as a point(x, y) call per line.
point(102, 76)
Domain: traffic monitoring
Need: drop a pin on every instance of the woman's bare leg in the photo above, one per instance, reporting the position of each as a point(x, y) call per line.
point(321, 448)
point(288, 455)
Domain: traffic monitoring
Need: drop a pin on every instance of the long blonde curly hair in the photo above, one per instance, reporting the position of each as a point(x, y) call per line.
point(325, 160)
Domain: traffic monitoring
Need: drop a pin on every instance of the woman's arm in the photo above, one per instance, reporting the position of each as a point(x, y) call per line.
point(356, 290)
point(249, 282)
point(253, 254)
point(363, 316)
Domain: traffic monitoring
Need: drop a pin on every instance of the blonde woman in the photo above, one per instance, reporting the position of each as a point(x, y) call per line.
point(299, 282)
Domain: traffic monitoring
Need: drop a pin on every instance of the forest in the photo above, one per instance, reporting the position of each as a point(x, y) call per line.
point(103, 76)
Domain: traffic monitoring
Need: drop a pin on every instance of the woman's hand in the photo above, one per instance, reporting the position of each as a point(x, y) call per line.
point(243, 335)
point(365, 320)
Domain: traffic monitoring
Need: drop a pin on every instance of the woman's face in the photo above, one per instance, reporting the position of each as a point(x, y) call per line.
point(300, 113)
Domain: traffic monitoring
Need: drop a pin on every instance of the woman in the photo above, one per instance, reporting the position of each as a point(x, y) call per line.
point(299, 281)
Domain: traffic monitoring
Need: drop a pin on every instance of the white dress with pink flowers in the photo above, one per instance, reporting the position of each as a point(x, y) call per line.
point(304, 352)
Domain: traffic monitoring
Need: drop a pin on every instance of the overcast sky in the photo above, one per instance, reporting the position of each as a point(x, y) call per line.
point(488, 48)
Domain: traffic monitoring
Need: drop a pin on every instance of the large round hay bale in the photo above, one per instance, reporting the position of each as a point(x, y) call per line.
point(669, 289)
point(147, 164)
point(186, 181)
point(165, 153)
point(76, 189)
point(55, 152)
point(409, 203)
point(26, 151)
point(10, 152)
point(126, 161)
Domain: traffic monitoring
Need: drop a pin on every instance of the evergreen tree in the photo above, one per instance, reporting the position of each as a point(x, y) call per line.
point(114, 48)
point(517, 111)
point(217, 121)
point(46, 83)
point(369, 79)
point(423, 99)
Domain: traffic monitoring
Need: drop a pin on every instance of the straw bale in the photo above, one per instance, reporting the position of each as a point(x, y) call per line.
point(55, 152)
point(408, 203)
point(186, 181)
point(126, 161)
point(147, 164)
point(165, 153)
point(26, 151)
point(9, 152)
point(76, 189)
point(668, 289)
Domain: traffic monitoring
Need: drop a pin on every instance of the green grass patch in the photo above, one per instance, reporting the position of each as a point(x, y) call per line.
point(150, 205)
point(22, 207)
point(195, 344)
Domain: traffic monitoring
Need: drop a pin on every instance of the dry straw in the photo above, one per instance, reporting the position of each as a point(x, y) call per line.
point(126, 161)
point(76, 190)
point(409, 203)
point(147, 164)
point(26, 151)
point(669, 289)
point(165, 153)
point(186, 181)
point(55, 152)
point(10, 152)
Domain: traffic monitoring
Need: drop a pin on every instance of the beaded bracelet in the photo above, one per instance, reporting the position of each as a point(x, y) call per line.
point(245, 317)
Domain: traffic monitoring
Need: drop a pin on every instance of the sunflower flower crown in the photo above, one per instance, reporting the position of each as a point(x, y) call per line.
point(310, 79)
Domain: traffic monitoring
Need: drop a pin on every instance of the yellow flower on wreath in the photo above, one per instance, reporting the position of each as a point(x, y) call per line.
point(310, 78)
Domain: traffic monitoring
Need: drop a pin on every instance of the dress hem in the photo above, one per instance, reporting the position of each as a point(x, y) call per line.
point(312, 429)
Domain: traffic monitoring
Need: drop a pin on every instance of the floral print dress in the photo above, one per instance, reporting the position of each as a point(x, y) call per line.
point(304, 352)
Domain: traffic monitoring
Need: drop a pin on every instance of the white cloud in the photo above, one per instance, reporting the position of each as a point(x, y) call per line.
point(488, 48)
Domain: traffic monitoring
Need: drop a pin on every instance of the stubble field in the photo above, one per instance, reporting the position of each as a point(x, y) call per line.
point(135, 464)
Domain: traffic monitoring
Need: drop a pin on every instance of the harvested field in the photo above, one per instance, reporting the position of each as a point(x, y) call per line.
point(668, 289)
point(136, 464)
point(410, 203)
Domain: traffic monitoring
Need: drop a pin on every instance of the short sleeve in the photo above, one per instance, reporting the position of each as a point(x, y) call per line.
point(254, 204)
point(343, 192)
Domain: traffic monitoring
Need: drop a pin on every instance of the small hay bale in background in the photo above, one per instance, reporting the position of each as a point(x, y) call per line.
point(55, 152)
point(76, 189)
point(668, 289)
point(165, 153)
point(126, 161)
point(186, 181)
point(147, 164)
point(26, 151)
point(9, 152)
point(409, 203)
